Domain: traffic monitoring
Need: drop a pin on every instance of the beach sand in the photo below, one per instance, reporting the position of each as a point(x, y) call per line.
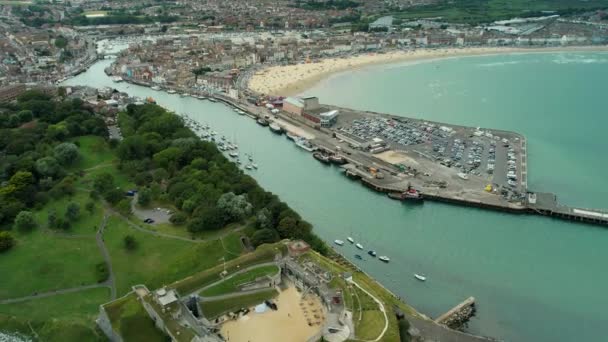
point(289, 323)
point(294, 79)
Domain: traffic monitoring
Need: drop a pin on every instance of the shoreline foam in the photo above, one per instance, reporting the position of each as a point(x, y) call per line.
point(294, 79)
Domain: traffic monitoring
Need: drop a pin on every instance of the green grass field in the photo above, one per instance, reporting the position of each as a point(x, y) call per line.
point(217, 307)
point(130, 319)
point(94, 151)
point(86, 224)
point(157, 260)
point(232, 284)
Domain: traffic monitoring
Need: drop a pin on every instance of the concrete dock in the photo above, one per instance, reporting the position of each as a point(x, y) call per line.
point(458, 315)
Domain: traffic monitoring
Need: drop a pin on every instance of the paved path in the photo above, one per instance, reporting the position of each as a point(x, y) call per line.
point(381, 306)
point(231, 295)
point(52, 293)
point(270, 263)
point(110, 282)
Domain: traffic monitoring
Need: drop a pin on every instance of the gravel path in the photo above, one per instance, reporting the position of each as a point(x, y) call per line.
point(110, 282)
point(52, 293)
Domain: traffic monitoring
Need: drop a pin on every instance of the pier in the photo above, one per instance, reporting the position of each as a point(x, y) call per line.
point(458, 315)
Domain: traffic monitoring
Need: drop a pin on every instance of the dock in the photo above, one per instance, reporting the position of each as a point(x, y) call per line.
point(458, 315)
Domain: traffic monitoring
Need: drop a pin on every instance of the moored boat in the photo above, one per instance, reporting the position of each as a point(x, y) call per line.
point(350, 239)
point(275, 128)
point(358, 245)
point(321, 157)
point(419, 277)
point(233, 154)
point(171, 91)
point(262, 122)
point(337, 159)
point(291, 136)
point(410, 194)
point(372, 253)
point(339, 242)
point(384, 258)
point(155, 88)
point(357, 256)
point(305, 144)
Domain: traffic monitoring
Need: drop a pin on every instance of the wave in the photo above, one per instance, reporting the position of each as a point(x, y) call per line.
point(498, 64)
point(13, 337)
point(579, 59)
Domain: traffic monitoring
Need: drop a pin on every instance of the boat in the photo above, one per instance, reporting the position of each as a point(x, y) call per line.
point(350, 239)
point(275, 128)
point(372, 253)
point(155, 88)
point(410, 194)
point(262, 122)
point(291, 136)
point(463, 175)
point(384, 258)
point(357, 256)
point(116, 79)
point(337, 159)
point(248, 167)
point(233, 154)
point(419, 277)
point(254, 165)
point(352, 174)
point(212, 99)
point(171, 91)
point(201, 97)
point(321, 157)
point(184, 95)
point(305, 144)
point(339, 242)
point(358, 245)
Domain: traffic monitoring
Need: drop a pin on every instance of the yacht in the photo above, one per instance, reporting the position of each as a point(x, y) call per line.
point(384, 258)
point(339, 242)
point(419, 277)
point(358, 245)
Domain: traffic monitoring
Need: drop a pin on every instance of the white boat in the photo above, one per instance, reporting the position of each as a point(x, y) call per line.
point(255, 166)
point(463, 175)
point(184, 95)
point(359, 246)
point(350, 239)
point(155, 88)
point(248, 167)
point(420, 277)
point(384, 258)
point(339, 242)
point(171, 91)
point(116, 79)
point(233, 154)
point(305, 144)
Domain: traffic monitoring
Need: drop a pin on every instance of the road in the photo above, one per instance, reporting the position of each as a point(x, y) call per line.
point(52, 293)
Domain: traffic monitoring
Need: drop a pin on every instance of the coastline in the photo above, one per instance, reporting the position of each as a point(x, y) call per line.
point(291, 80)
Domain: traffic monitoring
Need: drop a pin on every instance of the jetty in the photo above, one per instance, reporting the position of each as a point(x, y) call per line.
point(457, 316)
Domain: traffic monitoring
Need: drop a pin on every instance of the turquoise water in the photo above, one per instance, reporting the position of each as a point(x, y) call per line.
point(535, 279)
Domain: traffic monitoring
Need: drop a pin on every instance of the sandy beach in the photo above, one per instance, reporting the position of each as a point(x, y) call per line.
point(296, 319)
point(294, 79)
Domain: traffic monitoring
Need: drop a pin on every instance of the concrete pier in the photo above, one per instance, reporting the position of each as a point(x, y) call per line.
point(458, 315)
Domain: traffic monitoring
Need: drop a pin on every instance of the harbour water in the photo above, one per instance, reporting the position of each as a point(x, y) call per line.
point(534, 278)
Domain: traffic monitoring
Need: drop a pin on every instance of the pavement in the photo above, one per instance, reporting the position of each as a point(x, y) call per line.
point(159, 215)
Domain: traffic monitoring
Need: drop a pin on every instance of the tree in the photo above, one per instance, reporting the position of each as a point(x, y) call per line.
point(52, 219)
point(130, 242)
point(66, 153)
point(114, 196)
point(103, 182)
point(404, 326)
point(144, 197)
point(264, 219)
point(287, 227)
point(48, 167)
point(264, 236)
point(72, 211)
point(178, 218)
point(7, 241)
point(25, 116)
point(90, 207)
point(25, 221)
point(234, 208)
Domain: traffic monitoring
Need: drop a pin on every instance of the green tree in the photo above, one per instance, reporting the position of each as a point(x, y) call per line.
point(61, 42)
point(7, 241)
point(404, 326)
point(72, 211)
point(178, 218)
point(52, 219)
point(144, 197)
point(48, 167)
point(90, 207)
point(264, 219)
point(264, 236)
point(113, 196)
point(25, 116)
point(200, 72)
point(287, 227)
point(66, 153)
point(103, 182)
point(129, 242)
point(233, 207)
point(25, 221)
point(124, 206)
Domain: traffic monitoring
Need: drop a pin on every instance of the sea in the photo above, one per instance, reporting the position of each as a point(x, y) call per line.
point(534, 278)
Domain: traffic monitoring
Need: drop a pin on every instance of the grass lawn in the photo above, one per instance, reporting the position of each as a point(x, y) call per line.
point(157, 260)
point(130, 319)
point(83, 304)
point(217, 307)
point(86, 224)
point(43, 262)
point(232, 284)
point(94, 151)
point(120, 179)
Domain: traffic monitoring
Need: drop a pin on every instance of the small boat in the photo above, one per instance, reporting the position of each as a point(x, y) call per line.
point(184, 95)
point(463, 175)
point(321, 157)
point(410, 194)
point(233, 154)
point(358, 245)
point(419, 277)
point(117, 79)
point(262, 122)
point(171, 91)
point(357, 256)
point(372, 253)
point(240, 112)
point(384, 258)
point(155, 88)
point(212, 99)
point(248, 167)
point(350, 239)
point(238, 161)
point(305, 144)
point(275, 128)
point(291, 136)
point(337, 159)
point(339, 242)
point(254, 165)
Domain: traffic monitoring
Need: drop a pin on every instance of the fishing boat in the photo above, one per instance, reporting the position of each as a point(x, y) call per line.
point(291, 136)
point(337, 159)
point(372, 253)
point(357, 256)
point(419, 277)
point(358, 245)
point(321, 157)
point(350, 239)
point(262, 122)
point(339, 242)
point(275, 128)
point(384, 258)
point(410, 194)
point(305, 144)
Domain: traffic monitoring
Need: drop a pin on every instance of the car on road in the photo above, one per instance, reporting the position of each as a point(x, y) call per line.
point(149, 221)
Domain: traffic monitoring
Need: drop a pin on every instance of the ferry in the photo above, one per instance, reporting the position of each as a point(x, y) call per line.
point(305, 144)
point(321, 157)
point(419, 277)
point(291, 136)
point(384, 258)
point(410, 194)
point(155, 88)
point(275, 128)
point(358, 245)
point(339, 242)
point(350, 239)
point(372, 253)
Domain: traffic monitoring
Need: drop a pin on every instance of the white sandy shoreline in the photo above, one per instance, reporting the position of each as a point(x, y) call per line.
point(294, 79)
